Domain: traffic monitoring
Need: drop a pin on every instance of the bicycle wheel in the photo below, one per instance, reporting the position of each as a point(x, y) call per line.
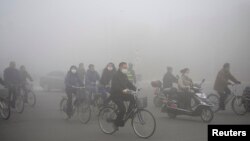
point(143, 123)
point(4, 110)
point(19, 104)
point(238, 105)
point(84, 112)
point(106, 120)
point(31, 98)
point(214, 99)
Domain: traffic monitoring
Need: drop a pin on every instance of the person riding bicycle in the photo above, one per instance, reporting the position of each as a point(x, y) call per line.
point(185, 84)
point(119, 93)
point(12, 80)
point(71, 80)
point(92, 77)
point(105, 81)
point(131, 73)
point(221, 84)
point(24, 76)
point(81, 72)
point(168, 80)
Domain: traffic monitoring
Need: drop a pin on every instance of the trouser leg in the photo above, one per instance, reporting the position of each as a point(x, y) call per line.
point(131, 100)
point(69, 104)
point(122, 109)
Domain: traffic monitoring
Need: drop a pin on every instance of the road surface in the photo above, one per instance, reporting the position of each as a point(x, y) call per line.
point(45, 122)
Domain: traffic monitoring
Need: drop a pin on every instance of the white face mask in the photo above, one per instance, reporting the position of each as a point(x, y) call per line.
point(110, 68)
point(125, 71)
point(73, 71)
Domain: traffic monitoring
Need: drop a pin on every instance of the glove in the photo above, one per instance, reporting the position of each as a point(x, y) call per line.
point(125, 91)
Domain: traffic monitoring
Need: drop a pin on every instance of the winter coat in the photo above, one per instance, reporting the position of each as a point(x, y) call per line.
point(222, 80)
point(72, 80)
point(168, 80)
point(119, 83)
point(107, 77)
point(91, 77)
point(11, 76)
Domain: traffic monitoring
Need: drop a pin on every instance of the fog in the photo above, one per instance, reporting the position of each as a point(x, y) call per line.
point(47, 35)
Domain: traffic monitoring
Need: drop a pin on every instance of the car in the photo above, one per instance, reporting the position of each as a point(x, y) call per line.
point(53, 81)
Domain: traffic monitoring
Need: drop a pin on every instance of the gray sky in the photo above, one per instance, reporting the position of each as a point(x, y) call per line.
point(50, 35)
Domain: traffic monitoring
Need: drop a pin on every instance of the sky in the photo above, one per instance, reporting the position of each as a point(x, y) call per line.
point(47, 35)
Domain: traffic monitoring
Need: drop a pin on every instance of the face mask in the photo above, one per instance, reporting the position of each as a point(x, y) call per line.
point(73, 71)
point(110, 68)
point(125, 71)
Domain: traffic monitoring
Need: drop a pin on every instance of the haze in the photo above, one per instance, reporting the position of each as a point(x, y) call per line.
point(47, 35)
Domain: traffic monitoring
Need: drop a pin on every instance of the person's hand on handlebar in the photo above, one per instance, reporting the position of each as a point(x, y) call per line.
point(125, 91)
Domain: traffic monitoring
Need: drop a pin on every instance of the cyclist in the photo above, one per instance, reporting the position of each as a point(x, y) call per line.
point(12, 80)
point(24, 76)
point(131, 73)
point(81, 72)
point(72, 79)
point(105, 81)
point(92, 77)
point(221, 84)
point(119, 88)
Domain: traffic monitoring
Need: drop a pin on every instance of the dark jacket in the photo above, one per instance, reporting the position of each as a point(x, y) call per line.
point(119, 83)
point(72, 80)
point(222, 80)
point(11, 76)
point(91, 77)
point(107, 77)
point(1, 81)
point(81, 73)
point(24, 75)
point(168, 80)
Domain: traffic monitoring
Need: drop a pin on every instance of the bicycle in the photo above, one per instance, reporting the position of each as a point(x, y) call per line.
point(4, 109)
point(28, 94)
point(237, 104)
point(80, 105)
point(139, 118)
point(18, 104)
point(95, 98)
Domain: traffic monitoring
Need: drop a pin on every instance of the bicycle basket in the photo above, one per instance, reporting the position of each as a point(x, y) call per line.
point(142, 102)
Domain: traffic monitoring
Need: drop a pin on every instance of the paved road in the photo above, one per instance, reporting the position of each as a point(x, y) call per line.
point(46, 123)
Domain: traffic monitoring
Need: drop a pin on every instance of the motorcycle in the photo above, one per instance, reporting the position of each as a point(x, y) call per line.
point(200, 105)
